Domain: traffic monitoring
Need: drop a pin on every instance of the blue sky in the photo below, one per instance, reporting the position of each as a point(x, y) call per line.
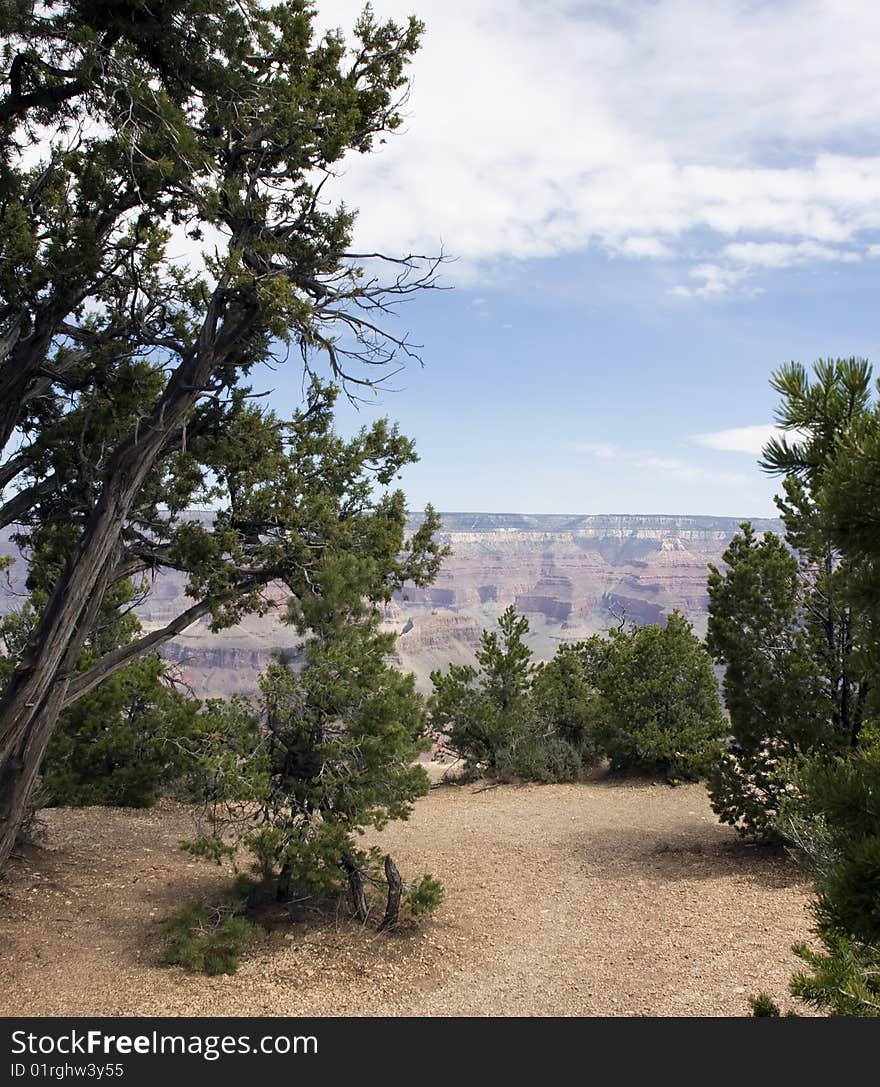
point(651, 205)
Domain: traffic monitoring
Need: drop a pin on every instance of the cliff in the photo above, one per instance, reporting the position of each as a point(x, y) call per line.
point(571, 575)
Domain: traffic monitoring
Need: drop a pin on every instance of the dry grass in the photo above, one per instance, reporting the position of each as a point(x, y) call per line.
point(596, 899)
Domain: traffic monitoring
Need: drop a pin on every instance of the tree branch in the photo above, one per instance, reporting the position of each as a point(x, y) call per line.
point(118, 658)
point(17, 105)
point(20, 503)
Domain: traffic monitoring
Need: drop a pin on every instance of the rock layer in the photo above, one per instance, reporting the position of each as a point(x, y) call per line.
point(572, 576)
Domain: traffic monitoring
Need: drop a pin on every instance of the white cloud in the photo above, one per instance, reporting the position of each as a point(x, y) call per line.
point(600, 450)
point(541, 129)
point(673, 469)
point(644, 247)
point(741, 439)
point(785, 254)
point(716, 279)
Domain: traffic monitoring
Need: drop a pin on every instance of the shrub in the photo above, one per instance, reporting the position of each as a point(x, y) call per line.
point(832, 817)
point(659, 709)
point(763, 1007)
point(124, 743)
point(326, 753)
point(646, 699)
point(425, 896)
point(207, 939)
point(532, 755)
point(510, 719)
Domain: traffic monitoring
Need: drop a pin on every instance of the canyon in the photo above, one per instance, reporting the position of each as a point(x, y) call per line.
point(572, 576)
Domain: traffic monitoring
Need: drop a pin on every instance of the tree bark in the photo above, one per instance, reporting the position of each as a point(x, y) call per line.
point(118, 658)
point(282, 891)
point(35, 694)
point(24, 745)
point(356, 886)
point(395, 887)
point(19, 768)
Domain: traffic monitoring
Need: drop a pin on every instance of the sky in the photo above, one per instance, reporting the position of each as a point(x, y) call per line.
point(649, 205)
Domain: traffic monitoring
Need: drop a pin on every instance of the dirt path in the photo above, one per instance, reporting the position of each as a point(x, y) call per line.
point(595, 899)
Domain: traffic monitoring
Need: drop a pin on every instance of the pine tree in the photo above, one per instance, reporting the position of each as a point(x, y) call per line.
point(832, 817)
point(829, 812)
point(782, 618)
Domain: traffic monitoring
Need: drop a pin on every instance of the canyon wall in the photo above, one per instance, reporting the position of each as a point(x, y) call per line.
point(571, 575)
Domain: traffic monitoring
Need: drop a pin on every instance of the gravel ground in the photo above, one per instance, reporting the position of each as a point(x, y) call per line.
point(604, 898)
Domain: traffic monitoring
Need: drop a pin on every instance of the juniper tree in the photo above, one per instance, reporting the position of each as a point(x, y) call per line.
point(329, 750)
point(566, 700)
point(782, 617)
point(127, 739)
point(658, 706)
point(126, 131)
point(482, 712)
point(124, 744)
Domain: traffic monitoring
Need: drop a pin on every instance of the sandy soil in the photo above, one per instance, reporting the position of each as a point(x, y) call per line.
point(594, 899)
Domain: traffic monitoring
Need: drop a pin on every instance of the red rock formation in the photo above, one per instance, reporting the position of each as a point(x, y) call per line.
point(572, 576)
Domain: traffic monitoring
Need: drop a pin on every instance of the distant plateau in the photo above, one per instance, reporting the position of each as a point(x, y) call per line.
point(571, 575)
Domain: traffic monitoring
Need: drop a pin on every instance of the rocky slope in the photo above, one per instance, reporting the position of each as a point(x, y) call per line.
point(571, 575)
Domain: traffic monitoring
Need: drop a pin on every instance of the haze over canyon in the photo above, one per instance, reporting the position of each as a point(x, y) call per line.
point(571, 575)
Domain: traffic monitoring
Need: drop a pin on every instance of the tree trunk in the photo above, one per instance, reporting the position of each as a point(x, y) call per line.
point(356, 886)
point(395, 887)
point(19, 767)
point(33, 698)
point(24, 745)
point(282, 891)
